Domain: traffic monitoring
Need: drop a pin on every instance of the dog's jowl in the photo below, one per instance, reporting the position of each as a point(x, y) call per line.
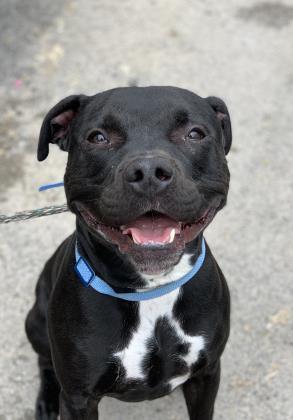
point(133, 304)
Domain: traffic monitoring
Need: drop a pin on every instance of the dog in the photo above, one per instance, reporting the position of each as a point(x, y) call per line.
point(146, 174)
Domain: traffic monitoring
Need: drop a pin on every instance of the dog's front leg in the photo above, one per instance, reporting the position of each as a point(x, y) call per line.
point(200, 394)
point(77, 407)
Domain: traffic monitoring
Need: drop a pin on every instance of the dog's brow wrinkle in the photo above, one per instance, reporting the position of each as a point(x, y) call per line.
point(110, 122)
point(181, 118)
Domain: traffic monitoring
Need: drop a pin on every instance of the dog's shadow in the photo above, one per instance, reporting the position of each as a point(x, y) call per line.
point(171, 407)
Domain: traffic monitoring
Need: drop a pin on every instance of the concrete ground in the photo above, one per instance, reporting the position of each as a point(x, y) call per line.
point(240, 50)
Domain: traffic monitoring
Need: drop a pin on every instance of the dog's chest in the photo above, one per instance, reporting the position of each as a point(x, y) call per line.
point(159, 352)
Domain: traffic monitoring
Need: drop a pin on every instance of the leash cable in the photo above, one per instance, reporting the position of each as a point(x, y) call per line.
point(32, 214)
point(43, 211)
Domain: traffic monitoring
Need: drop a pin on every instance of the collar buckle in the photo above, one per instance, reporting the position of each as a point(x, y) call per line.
point(84, 271)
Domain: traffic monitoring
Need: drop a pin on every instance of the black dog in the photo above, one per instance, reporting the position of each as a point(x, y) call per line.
point(146, 174)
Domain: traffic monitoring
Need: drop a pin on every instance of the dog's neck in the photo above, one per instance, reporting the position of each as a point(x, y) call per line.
point(115, 268)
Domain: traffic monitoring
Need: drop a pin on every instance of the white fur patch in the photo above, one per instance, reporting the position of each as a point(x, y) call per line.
point(149, 311)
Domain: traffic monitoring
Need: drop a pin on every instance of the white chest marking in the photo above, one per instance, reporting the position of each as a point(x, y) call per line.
point(149, 311)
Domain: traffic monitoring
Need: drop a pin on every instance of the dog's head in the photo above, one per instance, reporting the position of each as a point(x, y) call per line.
point(146, 169)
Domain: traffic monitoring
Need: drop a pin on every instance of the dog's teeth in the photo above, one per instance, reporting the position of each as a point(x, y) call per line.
point(135, 241)
point(172, 236)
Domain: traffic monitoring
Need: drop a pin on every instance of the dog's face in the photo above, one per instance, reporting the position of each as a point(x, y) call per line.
point(146, 169)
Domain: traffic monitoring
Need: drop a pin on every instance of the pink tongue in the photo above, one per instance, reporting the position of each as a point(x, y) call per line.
point(148, 230)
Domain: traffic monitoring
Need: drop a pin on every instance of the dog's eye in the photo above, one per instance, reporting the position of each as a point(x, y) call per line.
point(196, 134)
point(98, 137)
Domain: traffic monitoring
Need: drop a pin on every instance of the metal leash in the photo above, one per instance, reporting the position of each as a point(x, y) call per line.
point(31, 214)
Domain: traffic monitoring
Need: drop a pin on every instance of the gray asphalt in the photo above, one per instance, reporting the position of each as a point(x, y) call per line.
point(240, 50)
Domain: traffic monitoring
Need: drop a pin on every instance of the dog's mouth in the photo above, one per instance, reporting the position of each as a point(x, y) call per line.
point(150, 230)
point(155, 229)
point(154, 241)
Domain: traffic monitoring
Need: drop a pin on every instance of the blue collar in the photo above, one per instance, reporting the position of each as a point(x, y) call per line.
point(88, 278)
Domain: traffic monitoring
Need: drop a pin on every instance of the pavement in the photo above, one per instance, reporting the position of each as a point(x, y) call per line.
point(240, 50)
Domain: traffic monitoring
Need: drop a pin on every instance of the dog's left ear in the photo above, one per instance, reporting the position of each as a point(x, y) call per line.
point(56, 125)
point(222, 113)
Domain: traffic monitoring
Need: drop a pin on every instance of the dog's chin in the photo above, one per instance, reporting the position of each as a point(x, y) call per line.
point(153, 242)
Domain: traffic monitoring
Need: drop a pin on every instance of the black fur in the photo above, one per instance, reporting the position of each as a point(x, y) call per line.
point(74, 329)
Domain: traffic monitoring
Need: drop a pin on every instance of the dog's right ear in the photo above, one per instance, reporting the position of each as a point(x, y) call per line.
point(56, 125)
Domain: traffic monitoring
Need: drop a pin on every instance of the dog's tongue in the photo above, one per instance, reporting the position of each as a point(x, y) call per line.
point(147, 230)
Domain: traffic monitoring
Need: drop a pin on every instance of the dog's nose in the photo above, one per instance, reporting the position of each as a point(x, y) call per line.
point(149, 174)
